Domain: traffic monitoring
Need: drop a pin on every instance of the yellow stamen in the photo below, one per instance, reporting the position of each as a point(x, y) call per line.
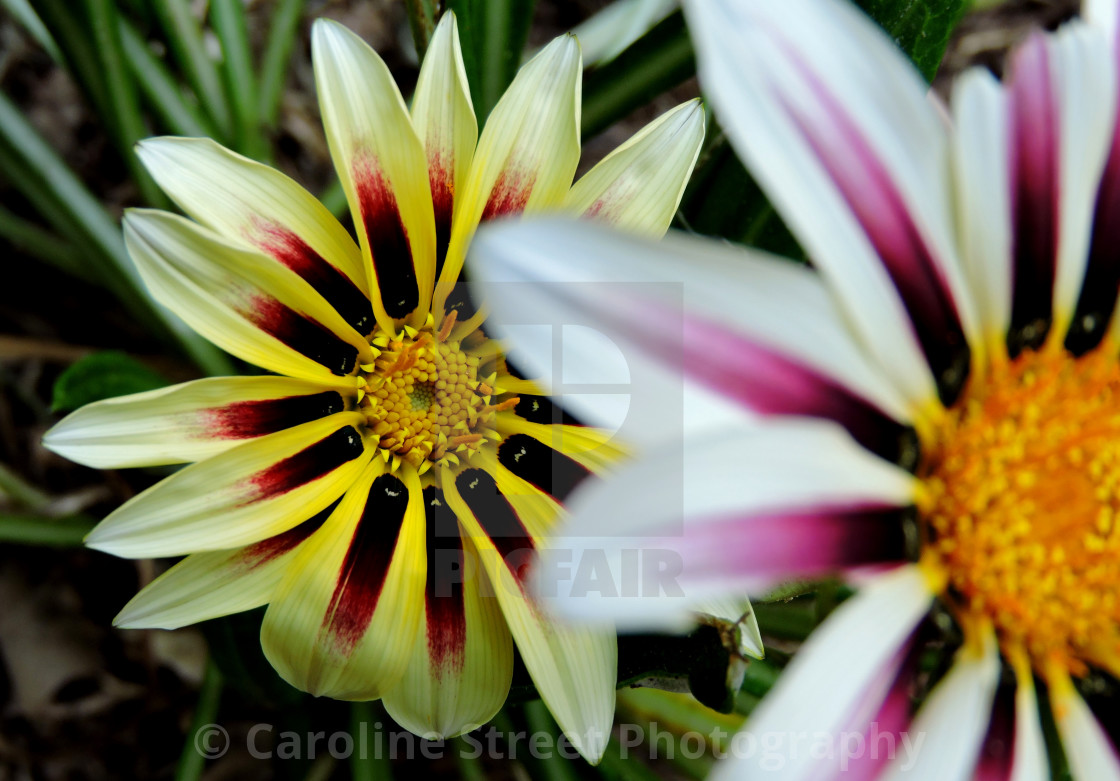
point(1022, 507)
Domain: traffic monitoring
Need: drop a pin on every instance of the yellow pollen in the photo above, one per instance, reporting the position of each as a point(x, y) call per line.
point(423, 397)
point(1023, 486)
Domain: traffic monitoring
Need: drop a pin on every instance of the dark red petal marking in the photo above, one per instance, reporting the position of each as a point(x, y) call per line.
point(246, 419)
point(441, 181)
point(443, 594)
point(265, 551)
point(1034, 190)
point(878, 206)
point(367, 562)
point(461, 301)
point(541, 409)
point(307, 465)
point(498, 519)
point(388, 242)
point(302, 334)
point(535, 462)
point(509, 196)
point(337, 288)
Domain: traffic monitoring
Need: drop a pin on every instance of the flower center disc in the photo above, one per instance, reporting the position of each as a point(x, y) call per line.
point(1024, 494)
point(424, 400)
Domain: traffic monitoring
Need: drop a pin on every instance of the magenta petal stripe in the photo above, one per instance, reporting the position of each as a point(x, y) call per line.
point(998, 750)
point(866, 186)
point(1034, 171)
point(771, 547)
point(443, 594)
point(367, 563)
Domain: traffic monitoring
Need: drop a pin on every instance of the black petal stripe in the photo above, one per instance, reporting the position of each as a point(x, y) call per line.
point(498, 519)
point(367, 562)
point(443, 595)
point(541, 409)
point(388, 243)
point(549, 470)
point(337, 288)
point(245, 419)
point(308, 465)
point(303, 335)
point(461, 301)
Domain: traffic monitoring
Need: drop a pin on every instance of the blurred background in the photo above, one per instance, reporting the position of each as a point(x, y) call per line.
point(81, 82)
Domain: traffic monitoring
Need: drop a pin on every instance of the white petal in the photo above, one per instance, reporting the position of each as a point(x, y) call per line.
point(774, 70)
point(820, 688)
point(983, 198)
point(954, 719)
point(1029, 761)
point(635, 527)
point(1090, 752)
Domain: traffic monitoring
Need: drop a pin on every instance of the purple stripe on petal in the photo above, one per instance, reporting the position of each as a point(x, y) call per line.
point(883, 721)
point(498, 519)
point(1034, 188)
point(997, 754)
point(388, 241)
point(367, 563)
point(254, 418)
point(875, 201)
point(337, 288)
point(306, 466)
point(770, 547)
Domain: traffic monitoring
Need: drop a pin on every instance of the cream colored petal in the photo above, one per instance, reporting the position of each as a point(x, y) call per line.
point(346, 616)
point(639, 185)
point(248, 493)
point(257, 310)
point(381, 163)
point(260, 208)
point(444, 119)
point(528, 151)
point(190, 421)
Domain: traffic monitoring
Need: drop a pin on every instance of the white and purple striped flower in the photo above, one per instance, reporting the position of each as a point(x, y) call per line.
point(932, 409)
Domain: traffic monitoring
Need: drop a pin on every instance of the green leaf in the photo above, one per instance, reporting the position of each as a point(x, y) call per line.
point(921, 28)
point(658, 61)
point(277, 54)
point(102, 376)
point(229, 22)
point(492, 34)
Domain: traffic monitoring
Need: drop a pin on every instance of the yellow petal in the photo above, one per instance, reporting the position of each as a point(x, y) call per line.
point(248, 493)
point(381, 163)
point(344, 620)
point(638, 186)
point(529, 149)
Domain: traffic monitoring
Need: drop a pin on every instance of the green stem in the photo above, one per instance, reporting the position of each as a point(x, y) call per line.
point(20, 491)
point(185, 37)
point(160, 89)
point(422, 21)
point(277, 52)
point(192, 760)
point(228, 18)
point(52, 532)
point(369, 765)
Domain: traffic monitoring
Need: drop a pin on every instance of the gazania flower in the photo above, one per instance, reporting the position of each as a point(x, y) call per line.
point(391, 477)
point(936, 402)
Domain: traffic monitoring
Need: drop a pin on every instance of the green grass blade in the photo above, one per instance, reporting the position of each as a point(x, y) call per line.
point(178, 113)
point(53, 532)
point(422, 21)
point(277, 52)
point(228, 19)
point(71, 34)
point(493, 35)
point(43, 245)
point(23, 13)
point(125, 122)
point(192, 760)
point(185, 38)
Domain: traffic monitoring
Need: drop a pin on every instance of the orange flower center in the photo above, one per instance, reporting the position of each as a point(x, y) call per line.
point(1022, 508)
point(424, 399)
